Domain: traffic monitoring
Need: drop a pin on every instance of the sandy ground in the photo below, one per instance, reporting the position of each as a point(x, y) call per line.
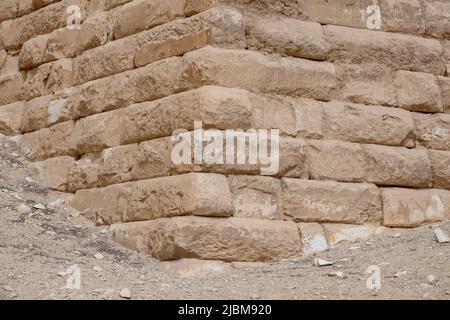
point(38, 251)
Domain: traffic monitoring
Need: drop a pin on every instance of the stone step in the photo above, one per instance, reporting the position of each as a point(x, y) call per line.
point(227, 239)
point(190, 194)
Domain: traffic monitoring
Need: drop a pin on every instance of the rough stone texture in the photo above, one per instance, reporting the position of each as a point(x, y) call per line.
point(395, 50)
point(313, 238)
point(336, 160)
point(11, 87)
point(11, 118)
point(345, 233)
point(54, 172)
point(418, 92)
point(440, 165)
point(232, 239)
point(433, 131)
point(406, 208)
point(397, 166)
point(367, 124)
point(444, 83)
point(190, 194)
point(256, 197)
point(260, 73)
point(289, 36)
point(326, 201)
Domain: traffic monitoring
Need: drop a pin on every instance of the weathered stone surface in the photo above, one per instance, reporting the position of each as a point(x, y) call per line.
point(49, 142)
point(96, 63)
point(436, 18)
point(43, 21)
point(410, 208)
point(136, 16)
point(60, 44)
point(232, 239)
point(367, 124)
point(336, 160)
point(257, 72)
point(327, 201)
point(440, 166)
point(191, 194)
point(35, 114)
point(196, 268)
point(444, 83)
point(288, 36)
point(84, 173)
point(47, 79)
point(10, 87)
point(395, 50)
point(296, 117)
point(367, 83)
point(11, 118)
point(216, 26)
point(417, 91)
point(54, 172)
point(312, 237)
point(344, 233)
point(256, 197)
point(96, 31)
point(433, 131)
point(397, 166)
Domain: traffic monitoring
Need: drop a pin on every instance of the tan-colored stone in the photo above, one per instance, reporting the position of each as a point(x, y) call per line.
point(11, 87)
point(260, 73)
point(84, 173)
point(256, 197)
point(16, 32)
point(11, 118)
point(60, 44)
point(440, 165)
point(410, 208)
point(417, 91)
point(293, 116)
point(196, 268)
point(436, 18)
point(96, 63)
point(397, 166)
point(35, 114)
point(54, 172)
point(433, 131)
point(328, 201)
point(191, 194)
point(359, 46)
point(312, 237)
point(289, 36)
point(49, 142)
point(232, 239)
point(444, 83)
point(216, 26)
point(345, 233)
point(367, 124)
point(336, 160)
point(97, 30)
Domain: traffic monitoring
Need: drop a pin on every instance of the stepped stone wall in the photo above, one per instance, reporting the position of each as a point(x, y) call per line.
point(363, 112)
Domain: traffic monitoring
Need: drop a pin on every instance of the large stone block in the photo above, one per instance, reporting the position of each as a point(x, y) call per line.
point(433, 131)
point(344, 233)
point(417, 91)
point(61, 43)
point(54, 172)
point(49, 142)
point(216, 26)
point(256, 197)
point(327, 201)
point(288, 36)
point(406, 208)
point(336, 160)
point(295, 117)
point(260, 73)
point(191, 194)
point(398, 166)
point(401, 52)
point(16, 32)
point(11, 87)
point(367, 124)
point(232, 239)
point(11, 118)
point(312, 237)
point(440, 165)
point(444, 83)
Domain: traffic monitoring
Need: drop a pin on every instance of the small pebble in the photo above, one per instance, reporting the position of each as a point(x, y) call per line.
point(125, 293)
point(99, 256)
